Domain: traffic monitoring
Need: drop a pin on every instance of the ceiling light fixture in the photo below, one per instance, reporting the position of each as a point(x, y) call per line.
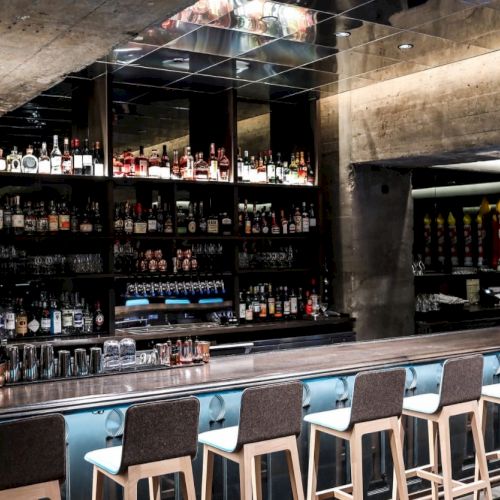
point(127, 49)
point(405, 46)
point(342, 34)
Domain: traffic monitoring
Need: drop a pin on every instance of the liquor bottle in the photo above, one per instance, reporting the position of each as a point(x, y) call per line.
point(14, 161)
point(140, 225)
point(256, 303)
point(128, 164)
point(154, 164)
point(252, 177)
point(226, 224)
point(256, 220)
point(242, 307)
point(29, 163)
point(310, 171)
point(279, 304)
point(44, 160)
point(286, 304)
point(271, 302)
point(279, 170)
point(224, 166)
point(293, 175)
point(275, 229)
point(10, 321)
point(264, 226)
point(7, 217)
point(33, 323)
point(261, 171)
point(213, 163)
point(298, 220)
point(18, 217)
point(98, 160)
point(29, 220)
point(42, 221)
point(294, 307)
point(98, 318)
point(305, 218)
point(67, 316)
point(271, 169)
point(181, 220)
point(77, 315)
point(55, 158)
point(45, 318)
point(160, 217)
point(87, 160)
point(152, 224)
point(66, 159)
point(291, 225)
point(189, 165)
point(249, 307)
point(88, 320)
point(212, 222)
point(3, 162)
point(118, 222)
point(176, 169)
point(64, 221)
point(53, 218)
point(262, 304)
point(21, 320)
point(239, 166)
point(77, 158)
point(168, 228)
point(74, 220)
point(247, 222)
point(128, 223)
point(97, 222)
point(191, 221)
point(55, 319)
point(202, 222)
point(302, 169)
point(312, 218)
point(86, 223)
point(165, 164)
point(141, 164)
point(201, 169)
point(245, 173)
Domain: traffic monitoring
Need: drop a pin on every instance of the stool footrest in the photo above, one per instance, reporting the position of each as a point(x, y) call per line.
point(465, 488)
point(493, 455)
point(337, 492)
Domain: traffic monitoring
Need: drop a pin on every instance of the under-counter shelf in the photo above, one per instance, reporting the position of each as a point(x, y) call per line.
point(122, 311)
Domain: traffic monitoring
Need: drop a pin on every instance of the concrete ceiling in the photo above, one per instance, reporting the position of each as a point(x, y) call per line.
point(41, 41)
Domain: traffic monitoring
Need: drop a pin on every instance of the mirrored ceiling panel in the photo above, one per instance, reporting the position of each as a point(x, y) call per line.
point(129, 52)
point(164, 32)
point(151, 77)
point(329, 6)
point(288, 53)
point(269, 18)
point(343, 33)
point(207, 11)
point(241, 69)
point(302, 78)
point(220, 42)
point(205, 84)
point(263, 92)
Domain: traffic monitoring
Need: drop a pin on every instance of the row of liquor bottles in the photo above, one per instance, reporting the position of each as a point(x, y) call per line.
point(249, 169)
point(132, 218)
point(34, 218)
point(266, 302)
point(73, 160)
point(47, 315)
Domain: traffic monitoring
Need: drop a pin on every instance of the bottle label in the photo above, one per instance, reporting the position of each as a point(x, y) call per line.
point(3, 165)
point(263, 310)
point(30, 224)
point(275, 230)
point(64, 222)
point(10, 321)
point(213, 226)
point(78, 319)
point(249, 314)
point(293, 305)
point(119, 225)
point(67, 319)
point(99, 319)
point(87, 162)
point(99, 169)
point(192, 227)
point(140, 228)
point(42, 224)
point(44, 167)
point(169, 228)
point(298, 223)
point(243, 310)
point(86, 227)
point(7, 219)
point(286, 308)
point(78, 162)
point(129, 226)
point(18, 220)
point(55, 164)
point(67, 166)
point(33, 326)
point(312, 222)
point(45, 324)
point(53, 222)
point(271, 305)
point(152, 226)
point(1, 219)
point(22, 325)
point(305, 225)
point(56, 323)
point(154, 171)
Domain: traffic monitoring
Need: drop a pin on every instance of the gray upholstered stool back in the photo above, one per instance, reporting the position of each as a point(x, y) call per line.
point(270, 412)
point(461, 380)
point(32, 450)
point(378, 394)
point(160, 431)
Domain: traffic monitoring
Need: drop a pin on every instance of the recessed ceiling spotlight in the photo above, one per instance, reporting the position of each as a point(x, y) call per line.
point(405, 46)
point(139, 38)
point(342, 34)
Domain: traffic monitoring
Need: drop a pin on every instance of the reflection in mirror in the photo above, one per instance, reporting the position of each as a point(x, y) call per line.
point(254, 127)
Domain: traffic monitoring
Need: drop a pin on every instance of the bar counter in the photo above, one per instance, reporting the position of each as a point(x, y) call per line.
point(236, 372)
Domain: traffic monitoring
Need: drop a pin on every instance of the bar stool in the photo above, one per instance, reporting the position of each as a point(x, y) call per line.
point(377, 401)
point(270, 421)
point(459, 393)
point(32, 458)
point(159, 438)
point(489, 394)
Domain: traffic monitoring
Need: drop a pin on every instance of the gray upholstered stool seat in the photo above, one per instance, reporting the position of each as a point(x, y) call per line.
point(33, 458)
point(460, 390)
point(377, 403)
point(259, 432)
point(159, 438)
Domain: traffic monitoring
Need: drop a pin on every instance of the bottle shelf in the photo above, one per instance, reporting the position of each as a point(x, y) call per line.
point(130, 181)
point(121, 311)
point(275, 186)
point(53, 179)
point(179, 276)
point(25, 278)
point(62, 237)
point(166, 237)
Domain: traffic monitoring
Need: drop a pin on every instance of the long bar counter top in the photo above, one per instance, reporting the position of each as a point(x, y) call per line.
point(233, 372)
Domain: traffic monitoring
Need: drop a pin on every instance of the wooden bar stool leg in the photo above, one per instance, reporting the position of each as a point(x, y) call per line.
point(395, 489)
point(483, 408)
point(54, 490)
point(187, 482)
point(432, 432)
point(97, 485)
point(246, 467)
point(356, 448)
point(292, 457)
point(312, 474)
point(257, 477)
point(154, 488)
point(481, 462)
point(397, 459)
point(445, 445)
point(207, 475)
point(130, 491)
